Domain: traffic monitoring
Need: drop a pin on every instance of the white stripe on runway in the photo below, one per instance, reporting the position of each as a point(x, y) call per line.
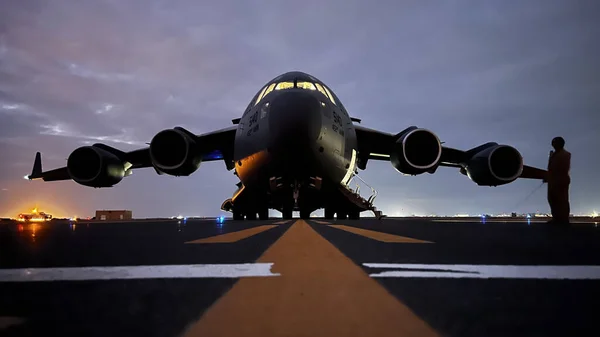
point(137, 272)
point(487, 271)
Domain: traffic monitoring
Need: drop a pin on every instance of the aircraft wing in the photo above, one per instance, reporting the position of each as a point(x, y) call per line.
point(212, 146)
point(378, 145)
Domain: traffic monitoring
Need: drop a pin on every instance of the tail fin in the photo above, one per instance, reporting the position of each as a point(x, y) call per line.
point(36, 172)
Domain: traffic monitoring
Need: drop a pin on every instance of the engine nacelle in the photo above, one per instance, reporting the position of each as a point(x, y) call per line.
point(416, 151)
point(494, 166)
point(95, 167)
point(175, 152)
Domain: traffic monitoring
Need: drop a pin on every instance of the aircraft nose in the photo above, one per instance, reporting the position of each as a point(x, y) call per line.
point(295, 119)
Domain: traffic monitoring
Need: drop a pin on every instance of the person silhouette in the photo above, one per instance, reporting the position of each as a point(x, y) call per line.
point(559, 180)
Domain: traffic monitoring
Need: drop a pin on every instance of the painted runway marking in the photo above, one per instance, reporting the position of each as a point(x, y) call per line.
point(281, 222)
point(379, 236)
point(235, 236)
point(320, 292)
point(487, 271)
point(137, 272)
point(7, 322)
point(322, 222)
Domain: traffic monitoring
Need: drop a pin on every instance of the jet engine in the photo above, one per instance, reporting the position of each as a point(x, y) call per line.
point(416, 151)
point(495, 165)
point(94, 167)
point(175, 152)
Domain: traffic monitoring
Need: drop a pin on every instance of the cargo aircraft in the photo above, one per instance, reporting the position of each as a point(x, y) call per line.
point(295, 148)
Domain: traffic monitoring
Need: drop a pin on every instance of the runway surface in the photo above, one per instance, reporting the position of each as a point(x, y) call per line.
point(299, 278)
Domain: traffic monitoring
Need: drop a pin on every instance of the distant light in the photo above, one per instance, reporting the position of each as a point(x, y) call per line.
point(26, 177)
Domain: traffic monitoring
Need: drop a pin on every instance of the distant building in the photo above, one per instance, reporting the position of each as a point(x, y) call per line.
point(113, 215)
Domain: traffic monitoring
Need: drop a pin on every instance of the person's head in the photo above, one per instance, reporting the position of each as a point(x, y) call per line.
point(558, 143)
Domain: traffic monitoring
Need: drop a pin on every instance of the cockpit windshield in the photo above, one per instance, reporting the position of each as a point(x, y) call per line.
point(290, 85)
point(306, 85)
point(284, 85)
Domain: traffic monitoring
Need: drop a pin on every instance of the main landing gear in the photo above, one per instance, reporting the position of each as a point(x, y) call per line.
point(263, 214)
point(352, 214)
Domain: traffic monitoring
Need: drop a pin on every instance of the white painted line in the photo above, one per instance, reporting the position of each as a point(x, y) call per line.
point(137, 272)
point(487, 271)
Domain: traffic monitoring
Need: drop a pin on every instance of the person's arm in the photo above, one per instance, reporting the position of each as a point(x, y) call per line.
point(548, 169)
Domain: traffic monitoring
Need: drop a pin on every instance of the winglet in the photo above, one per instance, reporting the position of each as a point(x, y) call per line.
point(36, 172)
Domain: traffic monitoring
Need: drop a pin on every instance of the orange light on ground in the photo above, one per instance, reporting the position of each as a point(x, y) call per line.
point(57, 211)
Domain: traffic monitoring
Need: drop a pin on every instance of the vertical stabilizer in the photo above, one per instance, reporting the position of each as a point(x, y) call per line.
point(36, 172)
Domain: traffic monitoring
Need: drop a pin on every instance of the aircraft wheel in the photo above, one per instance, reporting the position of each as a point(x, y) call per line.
point(354, 215)
point(263, 214)
point(329, 213)
point(287, 214)
point(305, 214)
point(251, 216)
point(238, 216)
point(341, 215)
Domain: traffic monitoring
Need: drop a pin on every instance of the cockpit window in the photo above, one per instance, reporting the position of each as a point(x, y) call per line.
point(284, 85)
point(306, 85)
point(329, 94)
point(290, 85)
point(269, 89)
point(262, 93)
point(322, 90)
point(265, 92)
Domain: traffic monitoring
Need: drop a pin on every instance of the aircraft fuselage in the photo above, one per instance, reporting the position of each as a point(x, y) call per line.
point(289, 137)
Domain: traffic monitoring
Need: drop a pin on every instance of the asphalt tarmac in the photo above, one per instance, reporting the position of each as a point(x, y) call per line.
point(299, 278)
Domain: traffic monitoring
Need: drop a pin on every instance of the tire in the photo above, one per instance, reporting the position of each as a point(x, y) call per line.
point(354, 215)
point(305, 214)
point(341, 215)
point(251, 216)
point(238, 216)
point(329, 214)
point(263, 214)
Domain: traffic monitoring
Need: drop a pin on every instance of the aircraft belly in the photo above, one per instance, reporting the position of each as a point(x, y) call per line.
point(336, 155)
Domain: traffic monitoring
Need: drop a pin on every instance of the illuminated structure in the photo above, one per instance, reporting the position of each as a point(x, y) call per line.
point(34, 216)
point(114, 215)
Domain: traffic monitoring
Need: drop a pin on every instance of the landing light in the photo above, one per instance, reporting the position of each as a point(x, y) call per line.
point(26, 177)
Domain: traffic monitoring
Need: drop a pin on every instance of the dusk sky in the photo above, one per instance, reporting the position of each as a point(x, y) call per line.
point(79, 72)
